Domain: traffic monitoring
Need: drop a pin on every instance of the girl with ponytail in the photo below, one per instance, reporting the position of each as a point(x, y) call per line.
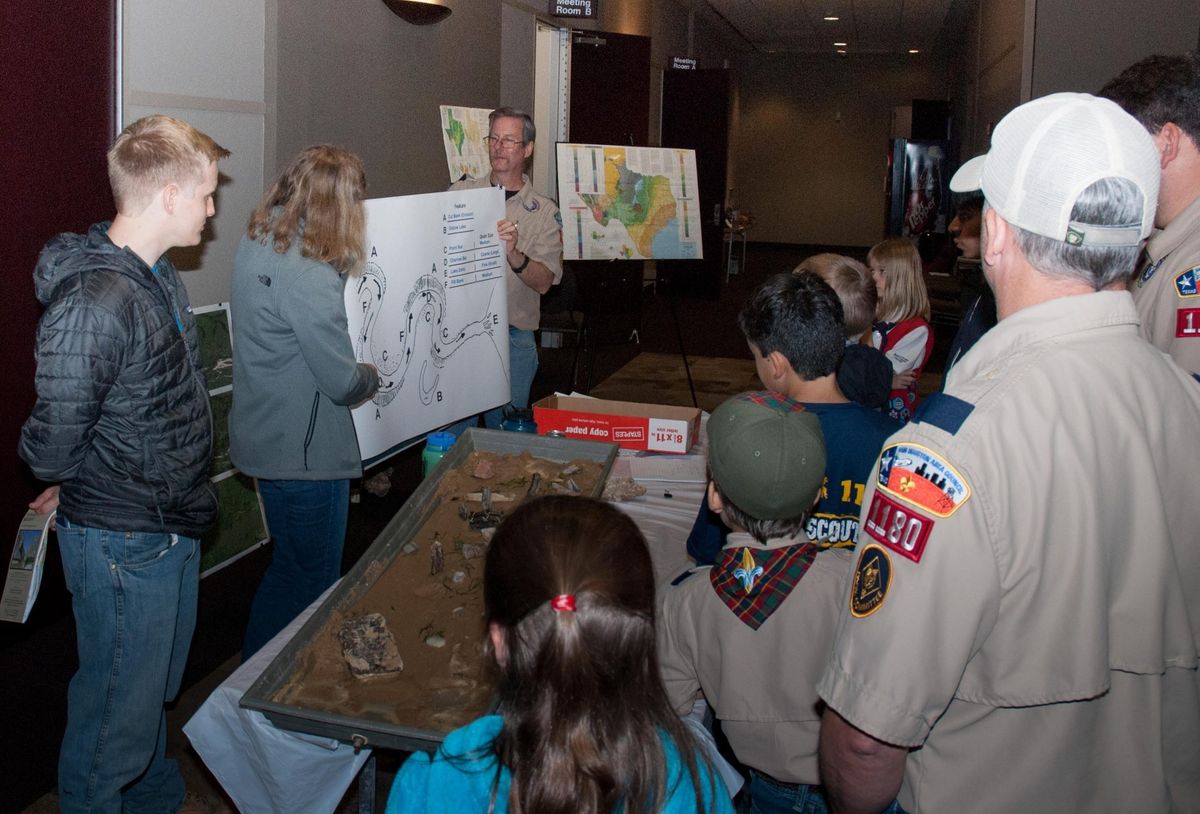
point(583, 724)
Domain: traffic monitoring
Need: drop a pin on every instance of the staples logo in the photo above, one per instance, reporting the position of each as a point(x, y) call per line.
point(629, 434)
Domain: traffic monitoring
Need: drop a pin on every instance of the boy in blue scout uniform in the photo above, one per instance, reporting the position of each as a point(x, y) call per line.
point(753, 631)
point(795, 328)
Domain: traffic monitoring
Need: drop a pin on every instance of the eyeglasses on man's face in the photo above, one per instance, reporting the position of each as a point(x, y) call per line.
point(505, 143)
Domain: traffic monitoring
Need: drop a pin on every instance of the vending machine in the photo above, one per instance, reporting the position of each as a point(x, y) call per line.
point(918, 187)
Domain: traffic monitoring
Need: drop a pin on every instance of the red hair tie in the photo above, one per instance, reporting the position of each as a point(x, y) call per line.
point(563, 602)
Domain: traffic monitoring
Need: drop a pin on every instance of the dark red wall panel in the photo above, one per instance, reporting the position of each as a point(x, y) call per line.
point(57, 86)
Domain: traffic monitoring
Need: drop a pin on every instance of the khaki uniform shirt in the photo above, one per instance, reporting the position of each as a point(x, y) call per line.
point(539, 237)
point(1167, 289)
point(760, 683)
point(1024, 608)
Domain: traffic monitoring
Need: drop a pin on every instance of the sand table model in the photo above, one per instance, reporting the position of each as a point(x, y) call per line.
point(409, 651)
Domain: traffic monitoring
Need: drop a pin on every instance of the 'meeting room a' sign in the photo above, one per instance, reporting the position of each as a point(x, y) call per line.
point(579, 9)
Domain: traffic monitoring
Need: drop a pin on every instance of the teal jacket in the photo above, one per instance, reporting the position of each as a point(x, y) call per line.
point(294, 371)
point(458, 779)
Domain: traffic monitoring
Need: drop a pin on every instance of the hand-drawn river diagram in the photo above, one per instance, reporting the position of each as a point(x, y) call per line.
point(430, 312)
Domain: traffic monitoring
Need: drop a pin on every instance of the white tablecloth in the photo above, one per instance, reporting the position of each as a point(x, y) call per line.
point(264, 769)
point(268, 770)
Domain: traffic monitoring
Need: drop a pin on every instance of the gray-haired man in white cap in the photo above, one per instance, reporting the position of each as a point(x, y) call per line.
point(1022, 627)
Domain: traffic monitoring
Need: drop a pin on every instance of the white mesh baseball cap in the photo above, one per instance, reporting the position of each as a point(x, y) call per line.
point(1047, 151)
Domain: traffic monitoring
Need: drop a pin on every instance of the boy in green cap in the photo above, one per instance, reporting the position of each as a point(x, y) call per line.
point(755, 634)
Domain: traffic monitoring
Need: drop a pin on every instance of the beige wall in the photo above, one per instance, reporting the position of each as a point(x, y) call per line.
point(809, 134)
point(1014, 51)
point(810, 158)
point(207, 67)
point(354, 74)
point(990, 70)
point(1081, 44)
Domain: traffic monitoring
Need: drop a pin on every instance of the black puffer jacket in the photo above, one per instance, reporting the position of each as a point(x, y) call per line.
point(122, 418)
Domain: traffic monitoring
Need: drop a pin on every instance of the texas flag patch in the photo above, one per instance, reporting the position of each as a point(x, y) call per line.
point(919, 476)
point(1185, 284)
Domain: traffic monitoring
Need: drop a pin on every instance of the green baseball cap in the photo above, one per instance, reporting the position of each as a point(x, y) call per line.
point(766, 454)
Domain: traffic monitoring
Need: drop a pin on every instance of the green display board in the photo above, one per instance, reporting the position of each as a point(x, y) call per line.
point(241, 525)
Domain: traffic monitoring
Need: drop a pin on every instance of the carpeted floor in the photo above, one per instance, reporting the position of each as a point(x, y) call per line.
point(660, 378)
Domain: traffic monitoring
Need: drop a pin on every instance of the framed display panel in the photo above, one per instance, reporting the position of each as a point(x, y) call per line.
point(241, 523)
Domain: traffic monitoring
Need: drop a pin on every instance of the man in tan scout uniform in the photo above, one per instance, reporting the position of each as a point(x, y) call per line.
point(1021, 628)
point(1163, 93)
point(532, 235)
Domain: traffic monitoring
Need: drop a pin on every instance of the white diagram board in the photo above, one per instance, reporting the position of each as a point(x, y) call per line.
point(430, 311)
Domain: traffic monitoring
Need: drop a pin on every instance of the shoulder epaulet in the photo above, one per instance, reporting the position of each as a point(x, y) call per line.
point(943, 411)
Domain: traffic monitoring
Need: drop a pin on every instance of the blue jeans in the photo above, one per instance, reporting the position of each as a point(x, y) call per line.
point(522, 367)
point(769, 796)
point(307, 522)
point(134, 599)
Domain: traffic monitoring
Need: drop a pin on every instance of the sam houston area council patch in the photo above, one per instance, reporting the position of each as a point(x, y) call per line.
point(920, 476)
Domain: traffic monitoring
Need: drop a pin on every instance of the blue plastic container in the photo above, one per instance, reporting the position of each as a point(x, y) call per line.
point(519, 421)
point(437, 444)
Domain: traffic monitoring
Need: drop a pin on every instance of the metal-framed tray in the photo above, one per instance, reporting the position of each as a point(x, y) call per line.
point(365, 732)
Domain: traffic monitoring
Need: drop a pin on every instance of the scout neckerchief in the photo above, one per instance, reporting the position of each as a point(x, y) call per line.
point(754, 582)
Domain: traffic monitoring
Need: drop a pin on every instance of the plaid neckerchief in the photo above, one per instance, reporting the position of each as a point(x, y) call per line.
point(754, 582)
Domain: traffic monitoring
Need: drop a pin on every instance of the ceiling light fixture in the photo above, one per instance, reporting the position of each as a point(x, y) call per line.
point(914, 50)
point(841, 50)
point(839, 45)
point(418, 12)
point(831, 18)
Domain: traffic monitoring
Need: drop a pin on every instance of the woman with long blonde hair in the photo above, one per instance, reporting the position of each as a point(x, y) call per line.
point(295, 375)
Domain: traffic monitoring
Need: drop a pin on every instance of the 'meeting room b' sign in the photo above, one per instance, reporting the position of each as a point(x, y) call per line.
point(579, 9)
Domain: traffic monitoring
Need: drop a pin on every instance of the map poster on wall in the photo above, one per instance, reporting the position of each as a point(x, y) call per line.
point(431, 313)
point(463, 131)
point(628, 203)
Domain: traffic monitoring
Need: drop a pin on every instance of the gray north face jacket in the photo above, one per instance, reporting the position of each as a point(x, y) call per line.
point(122, 418)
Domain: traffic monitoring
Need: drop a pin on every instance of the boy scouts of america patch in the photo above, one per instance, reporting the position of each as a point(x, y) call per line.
point(754, 583)
point(872, 576)
point(1185, 284)
point(919, 476)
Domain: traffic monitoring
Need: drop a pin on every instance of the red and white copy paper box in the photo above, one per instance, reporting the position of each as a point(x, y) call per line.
point(653, 427)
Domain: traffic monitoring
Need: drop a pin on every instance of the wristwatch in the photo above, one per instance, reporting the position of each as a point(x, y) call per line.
point(520, 268)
